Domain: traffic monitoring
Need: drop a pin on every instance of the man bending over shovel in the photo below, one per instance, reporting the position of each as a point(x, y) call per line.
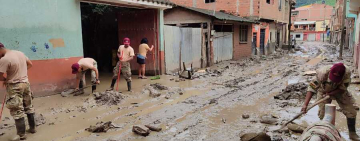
point(80, 68)
point(333, 81)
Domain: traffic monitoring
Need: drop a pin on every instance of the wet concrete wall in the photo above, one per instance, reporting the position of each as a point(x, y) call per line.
point(49, 33)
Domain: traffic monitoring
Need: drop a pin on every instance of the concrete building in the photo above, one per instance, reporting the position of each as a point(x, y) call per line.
point(311, 22)
point(273, 16)
point(50, 34)
point(212, 37)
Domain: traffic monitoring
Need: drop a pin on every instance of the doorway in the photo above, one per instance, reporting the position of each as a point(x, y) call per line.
point(262, 41)
point(254, 41)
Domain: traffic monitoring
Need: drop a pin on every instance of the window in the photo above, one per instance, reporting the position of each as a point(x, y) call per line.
point(209, 1)
point(268, 1)
point(243, 33)
point(298, 35)
point(296, 26)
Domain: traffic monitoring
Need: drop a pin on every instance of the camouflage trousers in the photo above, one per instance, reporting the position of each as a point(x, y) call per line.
point(125, 70)
point(19, 99)
point(345, 100)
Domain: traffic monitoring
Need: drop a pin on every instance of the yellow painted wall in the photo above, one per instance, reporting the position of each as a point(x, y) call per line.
point(319, 26)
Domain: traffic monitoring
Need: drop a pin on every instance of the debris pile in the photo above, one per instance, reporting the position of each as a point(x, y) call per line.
point(155, 90)
point(39, 119)
point(293, 91)
point(101, 127)
point(67, 92)
point(108, 98)
point(255, 137)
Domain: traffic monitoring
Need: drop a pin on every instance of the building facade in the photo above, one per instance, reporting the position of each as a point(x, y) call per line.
point(311, 22)
point(50, 34)
point(273, 16)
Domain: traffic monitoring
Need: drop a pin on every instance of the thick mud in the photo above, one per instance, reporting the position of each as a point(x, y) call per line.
point(223, 102)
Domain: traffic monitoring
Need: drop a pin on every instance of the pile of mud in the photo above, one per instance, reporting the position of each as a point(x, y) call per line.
point(293, 91)
point(156, 90)
point(108, 98)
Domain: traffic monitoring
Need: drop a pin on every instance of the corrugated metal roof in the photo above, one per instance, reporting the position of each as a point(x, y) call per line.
point(160, 1)
point(219, 15)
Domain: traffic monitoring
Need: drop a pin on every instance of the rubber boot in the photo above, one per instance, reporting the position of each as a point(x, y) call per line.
point(129, 86)
point(20, 128)
point(352, 132)
point(93, 88)
point(112, 85)
point(31, 120)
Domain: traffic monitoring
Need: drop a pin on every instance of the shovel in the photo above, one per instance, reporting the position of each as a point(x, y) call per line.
point(298, 115)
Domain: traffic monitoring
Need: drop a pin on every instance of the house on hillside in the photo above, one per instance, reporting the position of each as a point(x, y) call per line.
point(311, 22)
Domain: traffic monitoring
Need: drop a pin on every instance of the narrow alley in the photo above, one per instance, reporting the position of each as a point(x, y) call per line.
point(221, 103)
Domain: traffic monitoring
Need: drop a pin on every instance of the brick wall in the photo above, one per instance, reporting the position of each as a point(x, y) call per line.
point(242, 8)
point(241, 50)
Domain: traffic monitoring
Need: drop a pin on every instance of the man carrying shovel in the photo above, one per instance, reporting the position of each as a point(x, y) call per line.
point(333, 81)
point(125, 54)
point(19, 97)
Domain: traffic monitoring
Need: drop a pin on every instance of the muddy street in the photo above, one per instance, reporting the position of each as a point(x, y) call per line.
point(221, 103)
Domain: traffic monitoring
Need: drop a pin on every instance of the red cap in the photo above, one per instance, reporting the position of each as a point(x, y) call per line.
point(1, 45)
point(75, 68)
point(126, 41)
point(337, 72)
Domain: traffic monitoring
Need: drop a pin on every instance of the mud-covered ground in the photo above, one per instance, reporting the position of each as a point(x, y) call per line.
point(221, 103)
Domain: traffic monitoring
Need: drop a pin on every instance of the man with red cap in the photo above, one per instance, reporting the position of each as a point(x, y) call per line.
point(19, 96)
point(334, 81)
point(80, 68)
point(125, 54)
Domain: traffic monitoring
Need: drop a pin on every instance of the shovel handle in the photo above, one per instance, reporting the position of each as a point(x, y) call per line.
point(312, 106)
point(2, 107)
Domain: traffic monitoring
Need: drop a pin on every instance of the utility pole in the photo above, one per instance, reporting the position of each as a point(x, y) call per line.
point(343, 30)
point(289, 24)
point(324, 24)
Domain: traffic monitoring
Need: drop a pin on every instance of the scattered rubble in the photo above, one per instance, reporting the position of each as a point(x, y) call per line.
point(245, 116)
point(39, 119)
point(141, 130)
point(293, 91)
point(108, 98)
point(153, 128)
point(101, 127)
point(158, 86)
point(268, 119)
point(255, 137)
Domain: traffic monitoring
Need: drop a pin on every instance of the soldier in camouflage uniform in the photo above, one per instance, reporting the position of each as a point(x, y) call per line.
point(19, 96)
point(333, 81)
point(125, 54)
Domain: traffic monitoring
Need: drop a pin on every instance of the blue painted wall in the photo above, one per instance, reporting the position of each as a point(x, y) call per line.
point(28, 26)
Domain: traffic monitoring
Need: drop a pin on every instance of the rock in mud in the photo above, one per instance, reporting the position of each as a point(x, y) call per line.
point(212, 101)
point(100, 127)
point(245, 116)
point(293, 91)
point(296, 128)
point(158, 86)
point(153, 128)
point(268, 119)
point(141, 130)
point(108, 98)
point(255, 137)
point(39, 119)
